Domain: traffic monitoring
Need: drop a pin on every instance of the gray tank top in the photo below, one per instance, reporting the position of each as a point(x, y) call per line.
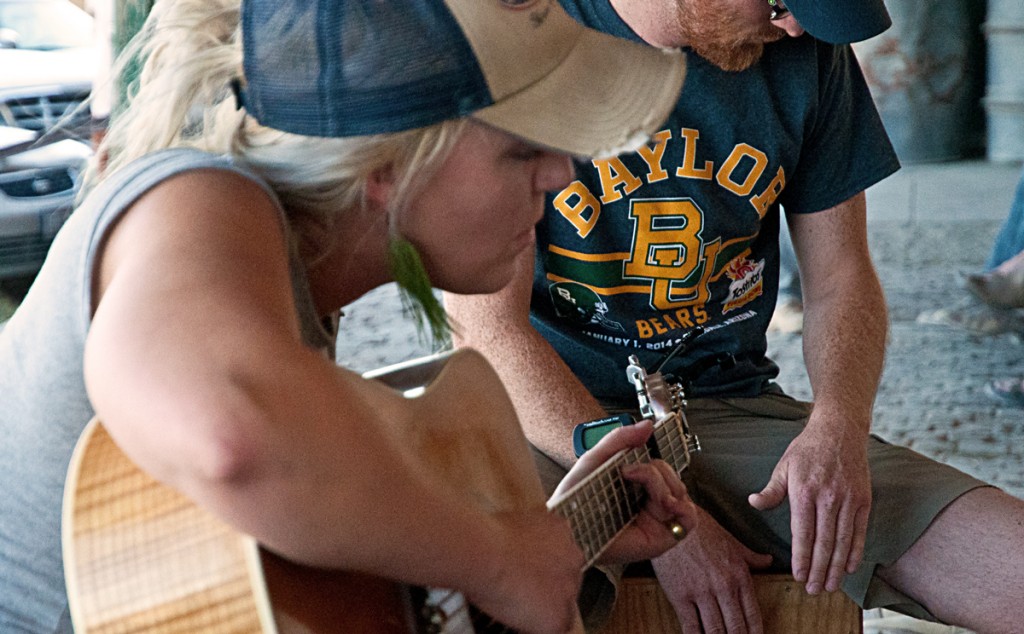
point(43, 402)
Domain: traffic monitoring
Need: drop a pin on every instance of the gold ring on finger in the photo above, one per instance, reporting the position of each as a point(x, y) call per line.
point(678, 530)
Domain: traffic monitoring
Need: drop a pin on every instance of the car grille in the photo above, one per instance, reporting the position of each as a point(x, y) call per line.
point(23, 253)
point(42, 112)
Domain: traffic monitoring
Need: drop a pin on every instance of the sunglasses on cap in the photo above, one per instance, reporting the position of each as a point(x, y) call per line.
point(779, 10)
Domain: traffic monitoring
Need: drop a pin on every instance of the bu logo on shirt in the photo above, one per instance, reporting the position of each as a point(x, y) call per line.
point(671, 259)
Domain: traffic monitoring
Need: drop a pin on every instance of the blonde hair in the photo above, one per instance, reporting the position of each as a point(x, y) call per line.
point(189, 54)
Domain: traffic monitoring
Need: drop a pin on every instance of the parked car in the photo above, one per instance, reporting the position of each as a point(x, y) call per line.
point(47, 63)
point(38, 185)
point(47, 66)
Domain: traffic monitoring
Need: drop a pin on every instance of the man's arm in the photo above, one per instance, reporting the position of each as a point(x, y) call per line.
point(825, 470)
point(548, 398)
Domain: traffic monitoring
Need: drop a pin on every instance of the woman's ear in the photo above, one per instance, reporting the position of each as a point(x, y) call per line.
point(379, 187)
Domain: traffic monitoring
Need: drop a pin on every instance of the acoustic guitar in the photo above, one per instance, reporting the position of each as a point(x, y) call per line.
point(141, 557)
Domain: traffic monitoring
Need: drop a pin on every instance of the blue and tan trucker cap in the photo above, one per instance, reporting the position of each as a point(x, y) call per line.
point(333, 68)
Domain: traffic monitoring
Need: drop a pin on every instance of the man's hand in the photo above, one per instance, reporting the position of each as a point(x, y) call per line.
point(707, 580)
point(826, 477)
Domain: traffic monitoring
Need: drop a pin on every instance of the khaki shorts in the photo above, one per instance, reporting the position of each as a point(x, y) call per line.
point(742, 440)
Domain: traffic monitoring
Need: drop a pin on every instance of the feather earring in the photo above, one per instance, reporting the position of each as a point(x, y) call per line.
point(418, 299)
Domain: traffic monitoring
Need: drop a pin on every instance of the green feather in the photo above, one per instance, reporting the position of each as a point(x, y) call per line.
point(418, 299)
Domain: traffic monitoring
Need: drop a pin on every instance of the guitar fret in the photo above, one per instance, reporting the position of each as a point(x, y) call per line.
point(612, 522)
point(601, 525)
point(584, 538)
point(674, 447)
point(605, 503)
point(599, 517)
point(591, 538)
point(607, 524)
point(594, 526)
point(622, 509)
point(575, 520)
point(671, 441)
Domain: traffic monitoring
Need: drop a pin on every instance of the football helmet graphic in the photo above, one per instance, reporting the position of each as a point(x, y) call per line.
point(580, 305)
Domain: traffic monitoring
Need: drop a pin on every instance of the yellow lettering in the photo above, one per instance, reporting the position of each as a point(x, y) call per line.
point(667, 242)
point(725, 174)
point(653, 155)
point(657, 326)
point(688, 170)
point(643, 330)
point(614, 173)
point(765, 199)
point(664, 323)
point(665, 295)
point(683, 315)
point(577, 213)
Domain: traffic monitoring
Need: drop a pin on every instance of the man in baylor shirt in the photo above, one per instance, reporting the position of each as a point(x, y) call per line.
point(646, 247)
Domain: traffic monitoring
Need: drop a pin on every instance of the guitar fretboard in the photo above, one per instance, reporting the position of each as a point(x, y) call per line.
point(673, 443)
point(604, 503)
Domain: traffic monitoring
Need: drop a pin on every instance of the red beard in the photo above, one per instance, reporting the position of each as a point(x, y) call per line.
point(712, 33)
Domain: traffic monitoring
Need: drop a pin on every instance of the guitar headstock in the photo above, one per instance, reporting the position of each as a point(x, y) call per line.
point(664, 402)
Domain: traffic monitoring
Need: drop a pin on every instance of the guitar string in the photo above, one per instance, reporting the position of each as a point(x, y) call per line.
point(608, 484)
point(672, 446)
point(671, 440)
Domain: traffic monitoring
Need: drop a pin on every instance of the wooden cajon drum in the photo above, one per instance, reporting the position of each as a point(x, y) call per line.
point(786, 608)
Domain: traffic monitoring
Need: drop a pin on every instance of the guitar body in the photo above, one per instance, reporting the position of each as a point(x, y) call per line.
point(141, 557)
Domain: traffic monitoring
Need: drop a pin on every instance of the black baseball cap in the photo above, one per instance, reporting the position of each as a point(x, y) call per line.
point(839, 21)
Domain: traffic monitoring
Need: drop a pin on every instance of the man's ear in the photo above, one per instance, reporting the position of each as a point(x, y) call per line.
point(379, 186)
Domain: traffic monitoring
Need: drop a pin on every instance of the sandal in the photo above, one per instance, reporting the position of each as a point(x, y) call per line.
point(975, 317)
point(996, 288)
point(1008, 392)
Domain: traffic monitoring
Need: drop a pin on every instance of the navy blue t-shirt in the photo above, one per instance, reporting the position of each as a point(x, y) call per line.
point(647, 246)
